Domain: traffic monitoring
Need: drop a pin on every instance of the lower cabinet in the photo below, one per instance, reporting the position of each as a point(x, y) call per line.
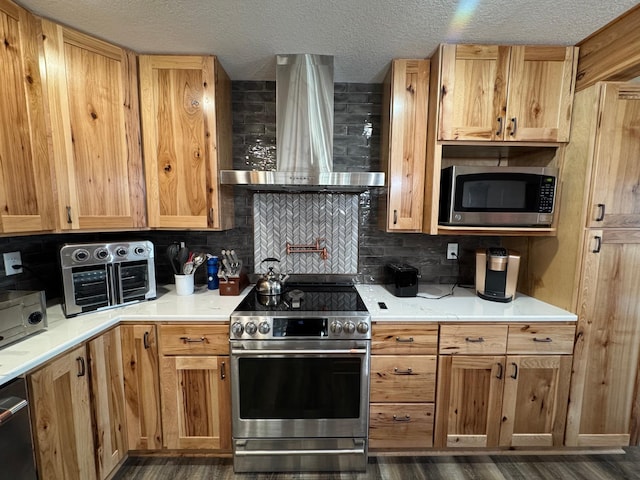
point(403, 378)
point(77, 411)
point(141, 386)
point(196, 396)
point(510, 392)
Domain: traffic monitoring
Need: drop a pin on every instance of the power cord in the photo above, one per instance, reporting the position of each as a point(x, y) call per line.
point(453, 287)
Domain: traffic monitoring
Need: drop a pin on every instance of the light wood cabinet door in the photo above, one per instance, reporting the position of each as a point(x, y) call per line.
point(141, 386)
point(404, 148)
point(615, 196)
point(604, 388)
point(196, 402)
point(186, 128)
point(61, 418)
point(469, 401)
point(93, 109)
point(502, 93)
point(540, 95)
point(107, 399)
point(534, 406)
point(26, 185)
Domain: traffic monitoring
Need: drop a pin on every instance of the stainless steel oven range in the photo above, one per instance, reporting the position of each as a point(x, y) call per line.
point(300, 381)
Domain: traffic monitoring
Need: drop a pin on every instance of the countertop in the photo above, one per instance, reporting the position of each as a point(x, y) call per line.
point(209, 306)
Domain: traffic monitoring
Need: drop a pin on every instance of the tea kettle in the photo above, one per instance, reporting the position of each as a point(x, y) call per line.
point(269, 286)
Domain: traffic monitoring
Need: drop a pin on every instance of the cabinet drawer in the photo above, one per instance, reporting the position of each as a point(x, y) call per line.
point(472, 339)
point(552, 339)
point(401, 425)
point(403, 378)
point(404, 338)
point(194, 339)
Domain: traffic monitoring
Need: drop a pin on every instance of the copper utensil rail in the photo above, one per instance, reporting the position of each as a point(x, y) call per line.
point(311, 248)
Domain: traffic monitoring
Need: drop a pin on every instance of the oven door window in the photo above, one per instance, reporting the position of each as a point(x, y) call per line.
point(300, 387)
point(134, 280)
point(90, 286)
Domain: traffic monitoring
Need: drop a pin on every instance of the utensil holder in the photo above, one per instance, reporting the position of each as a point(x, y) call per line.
point(233, 285)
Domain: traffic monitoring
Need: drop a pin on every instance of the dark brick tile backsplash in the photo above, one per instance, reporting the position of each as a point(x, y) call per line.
point(356, 147)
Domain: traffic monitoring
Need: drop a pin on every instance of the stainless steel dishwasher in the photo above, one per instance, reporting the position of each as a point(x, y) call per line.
point(16, 446)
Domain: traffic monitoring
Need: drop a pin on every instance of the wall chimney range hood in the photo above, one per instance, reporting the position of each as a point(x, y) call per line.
point(304, 133)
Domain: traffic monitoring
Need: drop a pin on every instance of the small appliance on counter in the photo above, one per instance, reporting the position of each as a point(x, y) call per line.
point(22, 313)
point(97, 276)
point(401, 279)
point(497, 274)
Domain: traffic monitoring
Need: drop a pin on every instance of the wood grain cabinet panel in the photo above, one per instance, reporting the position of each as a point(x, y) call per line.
point(186, 129)
point(400, 426)
point(506, 93)
point(93, 103)
point(407, 338)
point(404, 137)
point(403, 378)
point(537, 338)
point(61, 418)
point(141, 386)
point(196, 392)
point(473, 339)
point(26, 174)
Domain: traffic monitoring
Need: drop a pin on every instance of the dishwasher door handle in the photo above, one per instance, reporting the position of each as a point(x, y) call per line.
point(9, 406)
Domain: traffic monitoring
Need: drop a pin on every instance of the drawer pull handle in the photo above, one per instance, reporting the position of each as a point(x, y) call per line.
point(474, 340)
point(500, 368)
point(223, 371)
point(194, 340)
point(145, 340)
point(499, 132)
point(406, 418)
point(82, 367)
point(542, 340)
point(514, 375)
point(408, 371)
point(404, 340)
point(601, 211)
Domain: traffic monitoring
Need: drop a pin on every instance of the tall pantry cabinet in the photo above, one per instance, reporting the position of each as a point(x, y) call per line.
point(592, 267)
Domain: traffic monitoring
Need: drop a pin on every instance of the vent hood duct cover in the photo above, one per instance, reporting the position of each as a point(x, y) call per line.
point(304, 133)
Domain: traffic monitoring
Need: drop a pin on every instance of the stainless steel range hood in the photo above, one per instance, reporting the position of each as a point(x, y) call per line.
point(304, 133)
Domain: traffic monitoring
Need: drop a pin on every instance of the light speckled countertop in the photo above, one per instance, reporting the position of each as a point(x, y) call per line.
point(208, 306)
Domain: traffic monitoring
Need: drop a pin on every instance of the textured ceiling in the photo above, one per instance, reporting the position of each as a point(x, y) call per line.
point(362, 35)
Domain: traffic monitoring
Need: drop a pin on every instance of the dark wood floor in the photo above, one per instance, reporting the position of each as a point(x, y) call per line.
point(490, 467)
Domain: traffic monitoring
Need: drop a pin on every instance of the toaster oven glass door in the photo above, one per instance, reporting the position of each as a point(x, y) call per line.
point(134, 280)
point(91, 286)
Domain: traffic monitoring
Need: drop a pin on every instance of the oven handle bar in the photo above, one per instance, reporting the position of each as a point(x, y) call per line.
point(250, 453)
point(353, 351)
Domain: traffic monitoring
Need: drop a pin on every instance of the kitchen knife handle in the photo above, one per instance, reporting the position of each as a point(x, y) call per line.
point(499, 132)
point(514, 120)
point(82, 370)
point(601, 209)
point(598, 239)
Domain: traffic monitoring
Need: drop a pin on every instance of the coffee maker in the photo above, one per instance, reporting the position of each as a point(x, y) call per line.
point(497, 273)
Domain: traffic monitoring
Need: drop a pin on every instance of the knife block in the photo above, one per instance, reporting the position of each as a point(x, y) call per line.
point(233, 285)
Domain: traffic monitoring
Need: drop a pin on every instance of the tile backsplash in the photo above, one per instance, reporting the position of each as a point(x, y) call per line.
point(301, 219)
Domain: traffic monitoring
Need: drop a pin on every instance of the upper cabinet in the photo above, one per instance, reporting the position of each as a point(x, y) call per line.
point(26, 188)
point(502, 93)
point(93, 108)
point(404, 136)
point(186, 128)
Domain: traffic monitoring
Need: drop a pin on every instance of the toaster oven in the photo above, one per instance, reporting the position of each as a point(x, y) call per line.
point(98, 276)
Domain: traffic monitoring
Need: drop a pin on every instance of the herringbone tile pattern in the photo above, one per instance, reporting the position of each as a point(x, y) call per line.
point(300, 219)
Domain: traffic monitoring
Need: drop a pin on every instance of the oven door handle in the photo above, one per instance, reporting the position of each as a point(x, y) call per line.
point(281, 351)
point(250, 453)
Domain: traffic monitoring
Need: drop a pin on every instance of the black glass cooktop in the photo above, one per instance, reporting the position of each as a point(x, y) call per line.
point(305, 297)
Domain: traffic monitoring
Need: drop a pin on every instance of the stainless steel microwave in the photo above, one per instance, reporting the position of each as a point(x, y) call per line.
point(497, 196)
point(97, 276)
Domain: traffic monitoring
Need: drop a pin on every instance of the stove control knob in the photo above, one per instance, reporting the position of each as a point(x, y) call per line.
point(121, 251)
point(237, 329)
point(335, 327)
point(363, 327)
point(264, 328)
point(35, 318)
point(140, 250)
point(349, 327)
point(250, 328)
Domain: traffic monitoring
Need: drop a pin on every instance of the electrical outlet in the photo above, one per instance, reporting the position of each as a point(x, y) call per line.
point(452, 251)
point(11, 259)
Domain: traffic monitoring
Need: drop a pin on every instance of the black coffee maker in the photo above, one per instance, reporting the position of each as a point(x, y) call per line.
point(497, 274)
